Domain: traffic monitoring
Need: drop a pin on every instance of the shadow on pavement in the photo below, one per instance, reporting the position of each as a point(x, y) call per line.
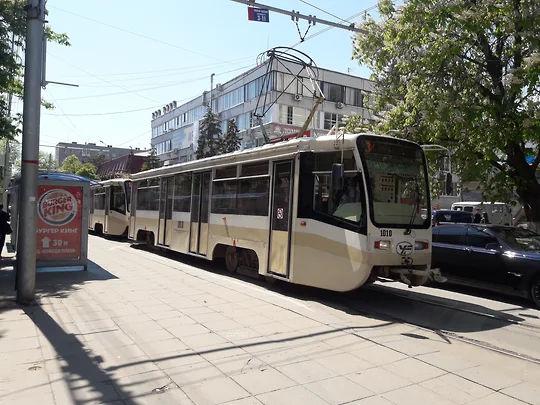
point(378, 302)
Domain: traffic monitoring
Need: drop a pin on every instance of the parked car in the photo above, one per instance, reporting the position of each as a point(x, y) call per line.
point(494, 257)
point(449, 216)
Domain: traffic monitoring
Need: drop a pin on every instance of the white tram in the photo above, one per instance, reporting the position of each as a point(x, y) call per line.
point(109, 209)
point(324, 212)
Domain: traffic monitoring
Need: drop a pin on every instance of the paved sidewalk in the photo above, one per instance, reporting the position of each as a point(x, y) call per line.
point(140, 328)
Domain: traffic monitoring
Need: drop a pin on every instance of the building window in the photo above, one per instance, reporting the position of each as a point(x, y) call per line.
point(333, 92)
point(289, 114)
point(330, 119)
point(358, 98)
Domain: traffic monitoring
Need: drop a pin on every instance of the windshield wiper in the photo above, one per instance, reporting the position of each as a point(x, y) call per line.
point(408, 230)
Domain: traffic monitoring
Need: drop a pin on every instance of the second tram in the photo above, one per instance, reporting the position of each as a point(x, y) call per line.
point(109, 209)
point(324, 212)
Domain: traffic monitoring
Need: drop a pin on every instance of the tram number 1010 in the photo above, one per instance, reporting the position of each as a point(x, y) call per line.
point(386, 233)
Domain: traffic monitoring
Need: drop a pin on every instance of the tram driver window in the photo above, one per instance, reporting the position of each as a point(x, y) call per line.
point(348, 205)
point(118, 200)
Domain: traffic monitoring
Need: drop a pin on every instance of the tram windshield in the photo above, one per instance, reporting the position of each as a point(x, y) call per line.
point(397, 182)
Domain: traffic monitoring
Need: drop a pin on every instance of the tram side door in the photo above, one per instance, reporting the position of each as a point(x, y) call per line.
point(107, 209)
point(200, 196)
point(165, 209)
point(132, 210)
point(280, 219)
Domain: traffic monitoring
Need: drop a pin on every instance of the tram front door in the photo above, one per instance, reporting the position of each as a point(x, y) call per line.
point(200, 192)
point(280, 221)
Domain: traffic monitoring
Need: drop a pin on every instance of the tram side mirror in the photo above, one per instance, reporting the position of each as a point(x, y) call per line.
point(336, 184)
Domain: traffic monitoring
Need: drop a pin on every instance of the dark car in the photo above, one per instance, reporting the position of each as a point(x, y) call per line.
point(451, 216)
point(498, 258)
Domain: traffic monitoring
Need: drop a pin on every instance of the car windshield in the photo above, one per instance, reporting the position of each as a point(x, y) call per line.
point(397, 183)
point(520, 239)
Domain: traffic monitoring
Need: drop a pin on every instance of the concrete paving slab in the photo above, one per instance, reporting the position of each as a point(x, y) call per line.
point(215, 391)
point(338, 390)
point(263, 379)
point(293, 395)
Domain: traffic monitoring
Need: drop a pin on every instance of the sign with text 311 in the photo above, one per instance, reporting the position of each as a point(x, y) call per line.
point(258, 14)
point(59, 222)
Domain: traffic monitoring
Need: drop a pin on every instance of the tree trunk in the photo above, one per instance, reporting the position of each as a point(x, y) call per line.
point(529, 194)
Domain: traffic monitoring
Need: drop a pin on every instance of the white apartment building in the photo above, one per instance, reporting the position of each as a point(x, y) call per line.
point(175, 128)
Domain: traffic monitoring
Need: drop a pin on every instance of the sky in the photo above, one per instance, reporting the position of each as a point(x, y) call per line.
point(130, 57)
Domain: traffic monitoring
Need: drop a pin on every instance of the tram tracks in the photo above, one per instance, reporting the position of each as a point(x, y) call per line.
point(424, 324)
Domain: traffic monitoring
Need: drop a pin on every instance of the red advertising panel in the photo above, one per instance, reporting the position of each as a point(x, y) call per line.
point(59, 222)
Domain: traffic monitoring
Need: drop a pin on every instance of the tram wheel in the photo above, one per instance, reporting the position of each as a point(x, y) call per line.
point(231, 259)
point(534, 292)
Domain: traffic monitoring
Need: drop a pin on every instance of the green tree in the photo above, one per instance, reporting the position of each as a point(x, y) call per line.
point(152, 161)
point(230, 141)
point(12, 33)
point(464, 74)
point(46, 162)
point(71, 164)
point(87, 170)
point(209, 135)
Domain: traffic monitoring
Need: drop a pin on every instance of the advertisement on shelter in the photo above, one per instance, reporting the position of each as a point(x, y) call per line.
point(59, 222)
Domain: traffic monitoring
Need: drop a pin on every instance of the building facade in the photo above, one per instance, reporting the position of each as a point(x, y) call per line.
point(286, 101)
point(88, 152)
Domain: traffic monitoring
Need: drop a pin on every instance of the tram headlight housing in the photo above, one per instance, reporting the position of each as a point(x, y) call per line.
point(421, 245)
point(382, 244)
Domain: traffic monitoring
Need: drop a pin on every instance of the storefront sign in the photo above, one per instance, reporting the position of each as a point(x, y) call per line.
point(59, 222)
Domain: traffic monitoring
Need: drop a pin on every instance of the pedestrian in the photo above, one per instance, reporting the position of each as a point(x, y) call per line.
point(5, 228)
point(477, 217)
point(485, 219)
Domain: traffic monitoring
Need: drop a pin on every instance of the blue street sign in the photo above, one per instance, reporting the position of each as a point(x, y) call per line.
point(258, 14)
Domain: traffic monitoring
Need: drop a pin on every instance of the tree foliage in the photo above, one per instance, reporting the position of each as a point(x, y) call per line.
point(12, 34)
point(464, 74)
point(230, 141)
point(47, 162)
point(152, 161)
point(72, 164)
point(208, 143)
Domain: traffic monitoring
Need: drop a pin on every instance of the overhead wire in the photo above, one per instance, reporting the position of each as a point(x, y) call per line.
point(151, 88)
point(137, 34)
point(324, 11)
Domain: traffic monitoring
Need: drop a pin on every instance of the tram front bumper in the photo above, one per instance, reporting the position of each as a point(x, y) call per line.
point(412, 276)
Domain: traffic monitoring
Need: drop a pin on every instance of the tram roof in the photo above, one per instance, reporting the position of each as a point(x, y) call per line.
point(268, 151)
point(282, 149)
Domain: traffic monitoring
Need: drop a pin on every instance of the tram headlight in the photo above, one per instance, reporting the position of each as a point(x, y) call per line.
point(382, 244)
point(421, 245)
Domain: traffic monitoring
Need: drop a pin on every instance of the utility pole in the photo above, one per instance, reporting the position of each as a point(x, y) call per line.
point(211, 89)
point(26, 243)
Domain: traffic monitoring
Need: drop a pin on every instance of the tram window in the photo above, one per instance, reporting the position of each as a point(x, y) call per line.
point(224, 197)
point(182, 193)
point(118, 200)
point(148, 195)
point(99, 201)
point(349, 205)
point(325, 160)
point(253, 196)
point(225, 172)
point(255, 169)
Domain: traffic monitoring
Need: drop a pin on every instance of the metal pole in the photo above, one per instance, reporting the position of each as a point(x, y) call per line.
point(298, 16)
point(26, 244)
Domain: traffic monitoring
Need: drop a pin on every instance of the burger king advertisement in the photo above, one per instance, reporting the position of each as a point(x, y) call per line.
point(59, 222)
